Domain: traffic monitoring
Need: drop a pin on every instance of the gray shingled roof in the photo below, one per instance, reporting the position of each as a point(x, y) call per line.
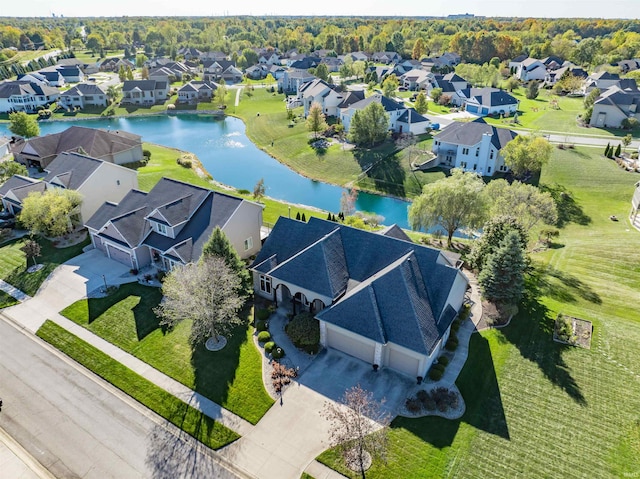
point(72, 168)
point(411, 116)
point(15, 181)
point(397, 290)
point(490, 96)
point(82, 89)
point(470, 133)
point(387, 103)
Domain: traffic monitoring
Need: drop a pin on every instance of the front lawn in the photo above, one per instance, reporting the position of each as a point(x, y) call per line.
point(190, 420)
point(537, 408)
point(13, 263)
point(231, 377)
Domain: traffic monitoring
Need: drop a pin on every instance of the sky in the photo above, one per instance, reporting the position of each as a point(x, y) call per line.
point(408, 8)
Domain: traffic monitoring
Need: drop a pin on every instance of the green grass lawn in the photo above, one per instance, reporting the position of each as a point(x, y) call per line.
point(6, 300)
point(536, 408)
point(231, 377)
point(190, 420)
point(163, 163)
point(13, 263)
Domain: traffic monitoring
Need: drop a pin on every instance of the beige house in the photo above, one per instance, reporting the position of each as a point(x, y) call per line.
point(170, 224)
point(96, 180)
point(614, 105)
point(377, 297)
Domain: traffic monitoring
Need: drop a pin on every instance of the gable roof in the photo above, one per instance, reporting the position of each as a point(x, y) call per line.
point(25, 88)
point(16, 181)
point(372, 279)
point(387, 103)
point(411, 116)
point(489, 96)
point(144, 85)
point(71, 169)
point(82, 89)
point(471, 133)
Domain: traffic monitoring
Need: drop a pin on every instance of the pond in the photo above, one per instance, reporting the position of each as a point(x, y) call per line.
point(231, 158)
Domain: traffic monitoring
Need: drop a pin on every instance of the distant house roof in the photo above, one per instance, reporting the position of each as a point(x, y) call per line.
point(387, 103)
point(489, 96)
point(411, 116)
point(25, 88)
point(471, 133)
point(82, 89)
point(383, 288)
point(144, 85)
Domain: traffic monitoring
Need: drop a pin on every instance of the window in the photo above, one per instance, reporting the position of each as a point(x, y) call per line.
point(162, 229)
point(465, 151)
point(489, 170)
point(475, 167)
point(265, 284)
point(248, 243)
point(477, 151)
point(463, 164)
point(491, 155)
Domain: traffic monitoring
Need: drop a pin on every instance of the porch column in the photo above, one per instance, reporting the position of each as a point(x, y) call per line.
point(377, 355)
point(323, 333)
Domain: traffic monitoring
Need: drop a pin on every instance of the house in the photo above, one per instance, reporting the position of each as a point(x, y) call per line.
point(488, 101)
point(113, 64)
point(386, 57)
point(257, 72)
point(52, 76)
point(96, 180)
point(216, 70)
point(401, 118)
point(627, 66)
point(416, 79)
point(170, 224)
point(305, 63)
point(552, 62)
point(450, 84)
point(473, 146)
point(602, 81)
point(277, 71)
point(189, 53)
point(83, 95)
point(213, 56)
point(616, 104)
point(25, 96)
point(554, 75)
point(530, 69)
point(144, 92)
point(196, 91)
point(443, 63)
point(327, 96)
point(291, 80)
point(113, 146)
point(355, 56)
point(384, 300)
point(34, 77)
point(72, 73)
point(333, 64)
point(267, 58)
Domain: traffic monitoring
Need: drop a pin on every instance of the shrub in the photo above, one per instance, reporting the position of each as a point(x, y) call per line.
point(264, 336)
point(262, 326)
point(443, 360)
point(444, 399)
point(243, 192)
point(455, 326)
point(452, 344)
point(263, 314)
point(269, 346)
point(146, 154)
point(422, 395)
point(413, 405)
point(277, 352)
point(184, 162)
point(304, 332)
point(629, 123)
point(435, 374)
point(464, 311)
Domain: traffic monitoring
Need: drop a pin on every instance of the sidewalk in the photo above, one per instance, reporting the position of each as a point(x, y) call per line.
point(13, 292)
point(16, 462)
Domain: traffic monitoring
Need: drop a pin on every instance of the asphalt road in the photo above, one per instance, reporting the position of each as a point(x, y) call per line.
point(77, 426)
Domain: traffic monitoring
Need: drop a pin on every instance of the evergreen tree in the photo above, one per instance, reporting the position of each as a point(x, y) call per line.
point(304, 218)
point(219, 245)
point(618, 150)
point(494, 232)
point(328, 216)
point(532, 90)
point(298, 216)
point(606, 150)
point(502, 279)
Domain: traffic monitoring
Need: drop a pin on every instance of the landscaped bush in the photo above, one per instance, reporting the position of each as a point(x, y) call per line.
point(438, 366)
point(443, 360)
point(269, 346)
point(243, 192)
point(277, 352)
point(263, 314)
point(444, 399)
point(262, 326)
point(304, 332)
point(413, 405)
point(455, 326)
point(435, 374)
point(452, 344)
point(264, 336)
point(146, 154)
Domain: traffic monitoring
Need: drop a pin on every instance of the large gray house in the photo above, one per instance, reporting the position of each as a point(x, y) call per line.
point(170, 224)
point(377, 297)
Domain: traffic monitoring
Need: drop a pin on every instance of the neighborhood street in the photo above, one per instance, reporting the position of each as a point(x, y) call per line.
point(76, 425)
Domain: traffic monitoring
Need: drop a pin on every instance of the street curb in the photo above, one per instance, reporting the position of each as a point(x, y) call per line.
point(23, 455)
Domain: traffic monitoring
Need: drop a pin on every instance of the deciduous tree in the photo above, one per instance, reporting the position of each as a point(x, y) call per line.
point(31, 249)
point(358, 428)
point(532, 90)
point(221, 92)
point(369, 125)
point(22, 124)
point(50, 213)
point(10, 168)
point(421, 105)
point(526, 153)
point(390, 86)
point(316, 122)
point(452, 202)
point(259, 189)
point(322, 72)
point(205, 292)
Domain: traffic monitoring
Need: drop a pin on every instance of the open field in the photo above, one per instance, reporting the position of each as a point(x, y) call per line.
point(231, 377)
point(536, 408)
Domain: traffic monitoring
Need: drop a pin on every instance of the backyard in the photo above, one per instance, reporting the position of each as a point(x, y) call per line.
point(536, 408)
point(231, 377)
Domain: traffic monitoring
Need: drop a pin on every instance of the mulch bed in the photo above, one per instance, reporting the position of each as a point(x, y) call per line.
point(579, 334)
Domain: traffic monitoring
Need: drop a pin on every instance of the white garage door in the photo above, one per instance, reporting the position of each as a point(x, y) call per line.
point(99, 244)
point(352, 346)
point(403, 362)
point(120, 256)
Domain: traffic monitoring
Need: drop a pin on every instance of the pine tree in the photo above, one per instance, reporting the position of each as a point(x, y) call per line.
point(606, 150)
point(219, 245)
point(618, 150)
point(304, 217)
point(298, 216)
point(502, 279)
point(532, 90)
point(328, 216)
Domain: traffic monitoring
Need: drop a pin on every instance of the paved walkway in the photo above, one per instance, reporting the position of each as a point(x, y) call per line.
point(14, 292)
point(16, 462)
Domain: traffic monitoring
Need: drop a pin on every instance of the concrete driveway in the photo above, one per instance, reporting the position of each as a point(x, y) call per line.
point(68, 283)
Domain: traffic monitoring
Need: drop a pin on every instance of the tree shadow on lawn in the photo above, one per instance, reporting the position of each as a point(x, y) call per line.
point(479, 386)
point(568, 210)
point(387, 173)
point(531, 331)
point(560, 285)
point(215, 371)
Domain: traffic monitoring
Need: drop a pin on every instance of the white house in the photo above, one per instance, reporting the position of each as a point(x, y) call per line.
point(320, 92)
point(401, 118)
point(529, 69)
point(83, 95)
point(25, 96)
point(144, 92)
point(488, 101)
point(474, 146)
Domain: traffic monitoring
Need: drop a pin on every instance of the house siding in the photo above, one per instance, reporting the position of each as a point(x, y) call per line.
point(245, 223)
point(108, 183)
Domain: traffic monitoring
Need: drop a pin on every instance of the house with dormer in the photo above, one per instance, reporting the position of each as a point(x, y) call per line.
point(26, 96)
point(216, 70)
point(97, 181)
point(83, 95)
point(386, 57)
point(144, 92)
point(472, 146)
point(327, 96)
point(196, 91)
point(401, 118)
point(488, 101)
point(169, 225)
point(377, 297)
point(616, 104)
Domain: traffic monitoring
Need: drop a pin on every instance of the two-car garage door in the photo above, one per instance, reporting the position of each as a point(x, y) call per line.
point(120, 256)
point(354, 346)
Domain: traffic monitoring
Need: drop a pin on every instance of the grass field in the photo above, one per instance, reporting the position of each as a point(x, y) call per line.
point(190, 420)
point(536, 408)
point(13, 263)
point(231, 377)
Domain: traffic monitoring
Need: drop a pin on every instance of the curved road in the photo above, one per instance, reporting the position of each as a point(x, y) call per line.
point(77, 426)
